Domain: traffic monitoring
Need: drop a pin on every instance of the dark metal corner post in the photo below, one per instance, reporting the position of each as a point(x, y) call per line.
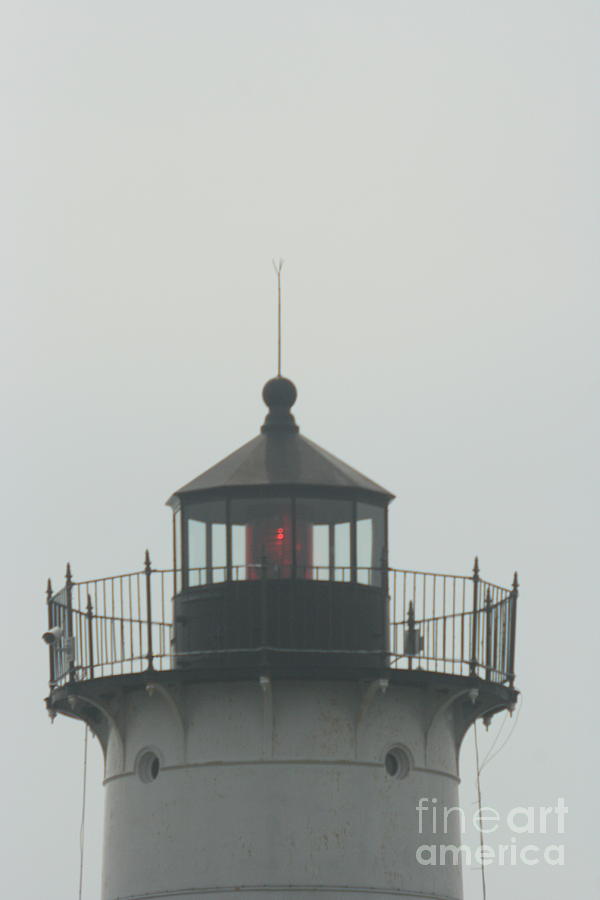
point(475, 618)
point(514, 596)
point(90, 624)
point(148, 573)
point(385, 595)
point(50, 626)
point(70, 638)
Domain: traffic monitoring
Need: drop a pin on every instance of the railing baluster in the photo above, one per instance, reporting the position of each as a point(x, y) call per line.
point(488, 635)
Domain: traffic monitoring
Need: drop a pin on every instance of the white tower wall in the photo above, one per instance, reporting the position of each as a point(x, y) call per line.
point(278, 789)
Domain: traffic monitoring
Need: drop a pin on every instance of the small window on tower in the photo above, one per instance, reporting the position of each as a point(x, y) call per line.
point(397, 762)
point(148, 766)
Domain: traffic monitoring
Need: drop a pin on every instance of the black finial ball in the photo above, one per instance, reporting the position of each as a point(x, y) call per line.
point(280, 393)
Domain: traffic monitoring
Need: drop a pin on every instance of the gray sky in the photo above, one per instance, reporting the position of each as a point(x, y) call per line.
point(428, 170)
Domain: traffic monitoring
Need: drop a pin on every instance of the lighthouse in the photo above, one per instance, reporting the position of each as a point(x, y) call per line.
point(279, 708)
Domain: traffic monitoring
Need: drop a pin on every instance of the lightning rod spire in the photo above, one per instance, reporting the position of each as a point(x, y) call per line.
point(278, 266)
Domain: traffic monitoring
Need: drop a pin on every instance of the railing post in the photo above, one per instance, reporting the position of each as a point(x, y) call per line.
point(475, 622)
point(50, 626)
point(70, 640)
point(412, 634)
point(385, 610)
point(90, 618)
point(148, 572)
point(488, 635)
point(513, 629)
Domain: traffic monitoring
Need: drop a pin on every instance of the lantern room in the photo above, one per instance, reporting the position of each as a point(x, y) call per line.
point(273, 529)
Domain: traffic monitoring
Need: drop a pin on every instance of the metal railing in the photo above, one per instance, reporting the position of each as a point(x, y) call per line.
point(451, 624)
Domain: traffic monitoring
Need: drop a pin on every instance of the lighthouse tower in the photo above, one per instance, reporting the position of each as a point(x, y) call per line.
point(280, 709)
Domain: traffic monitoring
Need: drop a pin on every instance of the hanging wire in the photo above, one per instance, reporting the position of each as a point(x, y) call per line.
point(480, 767)
point(489, 758)
point(495, 741)
point(83, 802)
point(480, 807)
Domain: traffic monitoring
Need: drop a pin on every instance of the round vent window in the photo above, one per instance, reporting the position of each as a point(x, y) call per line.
point(148, 766)
point(397, 763)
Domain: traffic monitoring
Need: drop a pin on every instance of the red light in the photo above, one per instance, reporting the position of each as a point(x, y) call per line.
point(280, 534)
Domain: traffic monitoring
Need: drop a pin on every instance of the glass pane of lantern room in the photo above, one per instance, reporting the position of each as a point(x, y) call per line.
point(323, 529)
point(197, 539)
point(364, 544)
point(262, 534)
point(206, 542)
point(238, 552)
point(370, 543)
point(320, 555)
point(342, 551)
